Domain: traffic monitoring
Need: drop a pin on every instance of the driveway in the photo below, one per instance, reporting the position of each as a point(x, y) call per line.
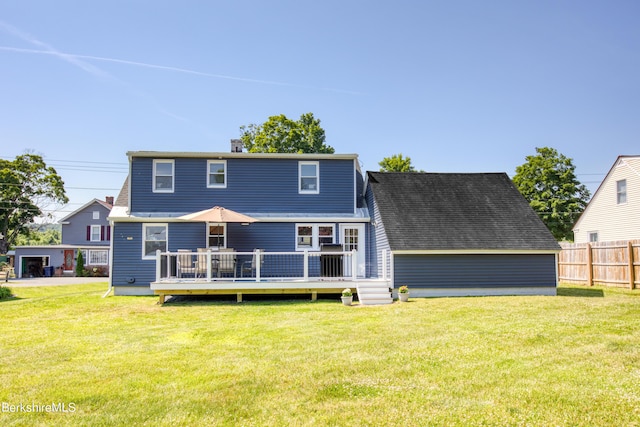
point(53, 281)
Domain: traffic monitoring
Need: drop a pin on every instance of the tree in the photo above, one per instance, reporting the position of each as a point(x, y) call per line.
point(396, 163)
point(26, 185)
point(80, 264)
point(548, 181)
point(280, 134)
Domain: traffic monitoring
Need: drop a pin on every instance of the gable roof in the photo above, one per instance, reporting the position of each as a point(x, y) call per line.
point(85, 206)
point(457, 211)
point(630, 161)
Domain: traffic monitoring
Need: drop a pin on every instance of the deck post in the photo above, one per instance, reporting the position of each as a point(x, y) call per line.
point(158, 265)
point(161, 299)
point(239, 297)
point(306, 265)
point(314, 296)
point(208, 264)
point(258, 260)
point(354, 265)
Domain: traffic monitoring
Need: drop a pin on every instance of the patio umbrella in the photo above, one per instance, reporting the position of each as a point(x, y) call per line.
point(218, 214)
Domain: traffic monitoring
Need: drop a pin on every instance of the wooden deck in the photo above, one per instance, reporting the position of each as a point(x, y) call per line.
point(240, 288)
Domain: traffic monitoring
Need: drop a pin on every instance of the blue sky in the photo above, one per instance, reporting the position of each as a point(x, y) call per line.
point(458, 86)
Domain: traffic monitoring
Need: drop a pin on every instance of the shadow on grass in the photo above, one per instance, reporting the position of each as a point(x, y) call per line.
point(202, 300)
point(581, 292)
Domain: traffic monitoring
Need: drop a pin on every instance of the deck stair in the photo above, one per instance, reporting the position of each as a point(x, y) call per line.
point(373, 293)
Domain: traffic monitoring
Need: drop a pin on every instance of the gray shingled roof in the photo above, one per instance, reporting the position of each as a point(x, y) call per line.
point(457, 211)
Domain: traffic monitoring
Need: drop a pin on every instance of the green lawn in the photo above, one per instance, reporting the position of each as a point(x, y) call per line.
point(570, 360)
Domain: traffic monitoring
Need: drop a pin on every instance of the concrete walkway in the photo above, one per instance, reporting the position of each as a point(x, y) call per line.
point(53, 281)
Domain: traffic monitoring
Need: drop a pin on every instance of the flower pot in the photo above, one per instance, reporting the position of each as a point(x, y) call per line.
point(404, 296)
point(347, 300)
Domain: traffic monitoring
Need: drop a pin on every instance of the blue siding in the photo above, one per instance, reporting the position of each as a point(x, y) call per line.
point(475, 271)
point(75, 232)
point(377, 237)
point(253, 185)
point(127, 256)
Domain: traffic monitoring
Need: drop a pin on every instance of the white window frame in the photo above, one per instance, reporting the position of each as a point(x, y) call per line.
point(87, 254)
point(96, 231)
point(155, 176)
point(591, 235)
point(224, 231)
point(316, 176)
point(144, 238)
point(620, 194)
point(209, 174)
point(96, 214)
point(315, 235)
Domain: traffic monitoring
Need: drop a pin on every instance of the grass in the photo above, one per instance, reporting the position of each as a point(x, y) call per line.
point(569, 360)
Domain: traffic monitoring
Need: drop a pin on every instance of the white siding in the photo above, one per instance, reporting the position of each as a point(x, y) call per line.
point(604, 215)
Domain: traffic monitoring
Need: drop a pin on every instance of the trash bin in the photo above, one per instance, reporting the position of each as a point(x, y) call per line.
point(48, 271)
point(331, 264)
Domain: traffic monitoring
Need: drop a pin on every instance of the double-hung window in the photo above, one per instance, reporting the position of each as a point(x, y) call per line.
point(163, 176)
point(217, 233)
point(621, 191)
point(217, 174)
point(96, 233)
point(154, 238)
point(313, 236)
point(309, 177)
point(95, 257)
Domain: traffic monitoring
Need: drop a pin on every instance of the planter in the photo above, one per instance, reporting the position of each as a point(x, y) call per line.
point(404, 296)
point(347, 300)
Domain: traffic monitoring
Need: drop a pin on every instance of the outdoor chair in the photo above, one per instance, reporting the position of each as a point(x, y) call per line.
point(249, 267)
point(185, 263)
point(201, 263)
point(226, 262)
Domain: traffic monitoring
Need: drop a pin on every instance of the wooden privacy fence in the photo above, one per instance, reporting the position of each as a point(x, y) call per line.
point(601, 263)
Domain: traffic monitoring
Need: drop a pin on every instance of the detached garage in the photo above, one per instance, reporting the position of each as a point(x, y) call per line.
point(455, 234)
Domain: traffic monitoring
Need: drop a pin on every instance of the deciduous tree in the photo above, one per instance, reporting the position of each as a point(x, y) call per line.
point(27, 184)
point(280, 134)
point(548, 181)
point(396, 163)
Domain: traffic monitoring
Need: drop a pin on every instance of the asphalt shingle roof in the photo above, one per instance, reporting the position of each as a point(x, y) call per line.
point(457, 211)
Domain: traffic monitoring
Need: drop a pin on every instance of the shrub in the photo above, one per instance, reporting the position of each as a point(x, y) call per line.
point(80, 265)
point(5, 293)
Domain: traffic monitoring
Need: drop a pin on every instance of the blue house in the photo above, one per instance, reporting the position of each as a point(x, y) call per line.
point(86, 229)
point(299, 207)
point(252, 223)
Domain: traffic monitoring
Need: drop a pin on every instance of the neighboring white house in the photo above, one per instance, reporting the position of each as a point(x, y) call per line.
point(614, 210)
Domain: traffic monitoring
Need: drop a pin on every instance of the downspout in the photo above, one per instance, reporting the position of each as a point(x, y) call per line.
point(110, 262)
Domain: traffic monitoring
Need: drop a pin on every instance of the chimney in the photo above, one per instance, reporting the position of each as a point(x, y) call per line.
point(236, 146)
point(109, 200)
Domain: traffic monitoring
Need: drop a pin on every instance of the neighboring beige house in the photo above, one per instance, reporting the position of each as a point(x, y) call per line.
point(614, 210)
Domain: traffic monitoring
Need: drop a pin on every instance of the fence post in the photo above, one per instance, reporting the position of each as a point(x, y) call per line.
point(589, 265)
point(632, 272)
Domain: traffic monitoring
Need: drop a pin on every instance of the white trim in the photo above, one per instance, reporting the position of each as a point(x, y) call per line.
point(19, 264)
point(94, 227)
point(117, 216)
point(317, 177)
point(155, 175)
point(224, 184)
point(144, 240)
point(243, 155)
point(315, 235)
point(362, 245)
point(467, 292)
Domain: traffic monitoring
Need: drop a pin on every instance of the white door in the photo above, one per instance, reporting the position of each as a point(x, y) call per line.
point(352, 238)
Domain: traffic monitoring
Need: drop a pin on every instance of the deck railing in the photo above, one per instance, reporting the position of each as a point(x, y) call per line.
point(212, 265)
